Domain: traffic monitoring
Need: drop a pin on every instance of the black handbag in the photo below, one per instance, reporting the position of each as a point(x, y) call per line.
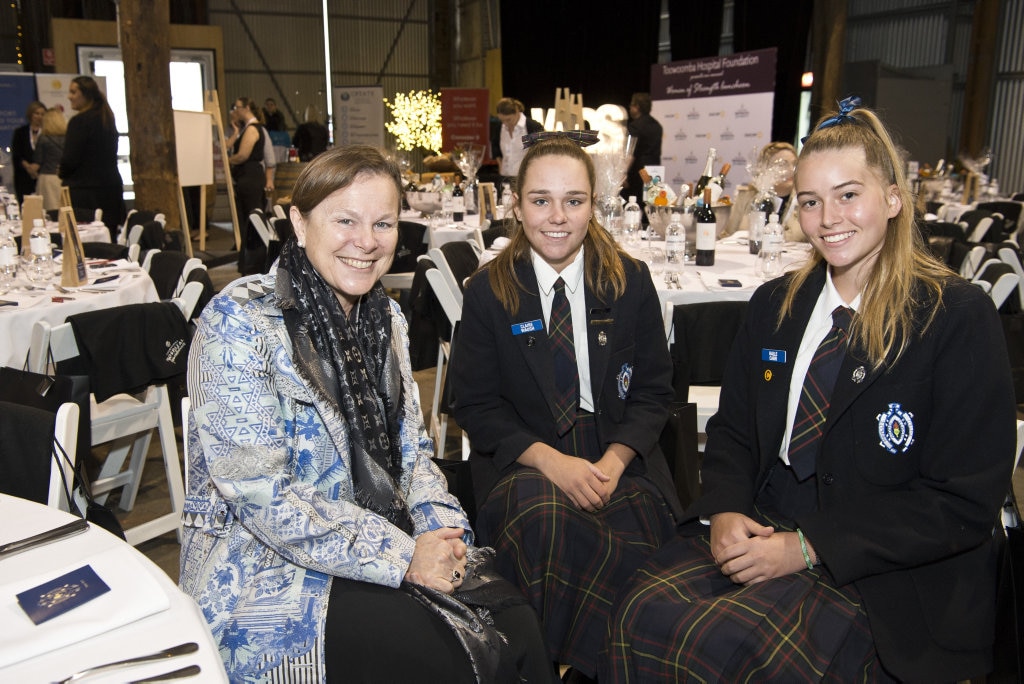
point(48, 392)
point(1008, 653)
point(95, 512)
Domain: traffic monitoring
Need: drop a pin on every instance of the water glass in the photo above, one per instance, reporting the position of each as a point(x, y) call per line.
point(654, 255)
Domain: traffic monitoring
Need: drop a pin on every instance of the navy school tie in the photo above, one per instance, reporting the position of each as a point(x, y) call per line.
point(816, 395)
point(564, 354)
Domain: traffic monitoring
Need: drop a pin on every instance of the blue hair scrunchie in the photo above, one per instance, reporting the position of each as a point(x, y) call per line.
point(845, 107)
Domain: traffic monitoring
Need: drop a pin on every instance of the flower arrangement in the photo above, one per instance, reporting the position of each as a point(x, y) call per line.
point(416, 120)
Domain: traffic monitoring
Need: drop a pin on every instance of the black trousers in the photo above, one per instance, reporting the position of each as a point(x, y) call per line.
point(379, 634)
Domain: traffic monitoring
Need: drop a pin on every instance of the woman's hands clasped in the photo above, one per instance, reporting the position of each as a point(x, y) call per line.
point(749, 552)
point(439, 560)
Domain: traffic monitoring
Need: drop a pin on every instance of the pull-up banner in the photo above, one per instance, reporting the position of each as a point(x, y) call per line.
point(723, 102)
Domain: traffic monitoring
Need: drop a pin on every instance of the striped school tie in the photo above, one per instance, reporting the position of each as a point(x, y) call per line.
point(567, 378)
point(815, 397)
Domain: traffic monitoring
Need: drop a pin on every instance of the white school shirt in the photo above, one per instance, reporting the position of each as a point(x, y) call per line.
point(575, 292)
point(512, 151)
point(818, 326)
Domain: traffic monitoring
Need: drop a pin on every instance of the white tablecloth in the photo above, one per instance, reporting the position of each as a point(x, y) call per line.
point(437, 235)
point(133, 286)
point(180, 622)
point(733, 260)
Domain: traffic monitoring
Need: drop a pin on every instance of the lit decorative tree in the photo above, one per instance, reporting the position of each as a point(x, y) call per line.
point(416, 120)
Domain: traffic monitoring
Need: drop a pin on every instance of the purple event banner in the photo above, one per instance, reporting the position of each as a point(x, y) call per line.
point(738, 74)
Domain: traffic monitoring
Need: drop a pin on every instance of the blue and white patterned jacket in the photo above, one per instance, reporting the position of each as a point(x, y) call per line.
point(270, 514)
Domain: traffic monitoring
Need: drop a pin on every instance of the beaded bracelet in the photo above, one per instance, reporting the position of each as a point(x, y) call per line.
point(803, 549)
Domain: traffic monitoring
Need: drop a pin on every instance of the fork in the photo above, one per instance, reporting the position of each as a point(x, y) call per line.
point(702, 283)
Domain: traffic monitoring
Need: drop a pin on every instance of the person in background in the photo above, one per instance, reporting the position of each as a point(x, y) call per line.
point(507, 136)
point(89, 163)
point(648, 133)
point(311, 137)
point(248, 146)
point(49, 151)
point(320, 541)
point(780, 158)
point(563, 388)
point(272, 116)
point(23, 145)
point(856, 467)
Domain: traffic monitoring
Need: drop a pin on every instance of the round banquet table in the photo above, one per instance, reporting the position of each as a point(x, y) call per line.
point(133, 286)
point(143, 612)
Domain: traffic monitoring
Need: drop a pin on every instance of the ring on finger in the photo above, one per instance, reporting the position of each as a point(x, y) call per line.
point(456, 576)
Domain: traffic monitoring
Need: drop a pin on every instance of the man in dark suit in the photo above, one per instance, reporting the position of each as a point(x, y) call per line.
point(23, 144)
point(647, 131)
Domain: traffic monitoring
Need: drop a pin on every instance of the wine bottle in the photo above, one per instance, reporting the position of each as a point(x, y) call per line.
point(725, 172)
point(458, 204)
point(705, 177)
point(706, 230)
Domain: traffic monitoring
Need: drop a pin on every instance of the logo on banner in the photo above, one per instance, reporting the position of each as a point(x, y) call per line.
point(742, 112)
point(693, 115)
point(727, 135)
point(681, 135)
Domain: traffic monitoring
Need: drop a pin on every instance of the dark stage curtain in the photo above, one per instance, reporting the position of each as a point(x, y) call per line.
point(572, 44)
point(695, 29)
point(782, 24)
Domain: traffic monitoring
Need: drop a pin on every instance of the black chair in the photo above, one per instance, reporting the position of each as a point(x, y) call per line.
point(104, 250)
point(983, 226)
point(932, 229)
point(28, 468)
point(1009, 210)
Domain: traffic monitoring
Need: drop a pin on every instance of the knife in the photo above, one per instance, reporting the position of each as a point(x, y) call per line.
point(190, 671)
point(72, 528)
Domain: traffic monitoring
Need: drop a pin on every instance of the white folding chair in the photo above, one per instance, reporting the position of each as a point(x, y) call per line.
point(259, 221)
point(998, 279)
point(453, 310)
point(65, 432)
point(127, 422)
point(445, 270)
point(972, 262)
point(279, 211)
point(192, 264)
point(1011, 255)
point(186, 411)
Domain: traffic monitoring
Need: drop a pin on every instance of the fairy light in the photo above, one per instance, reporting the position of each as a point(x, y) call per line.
point(416, 120)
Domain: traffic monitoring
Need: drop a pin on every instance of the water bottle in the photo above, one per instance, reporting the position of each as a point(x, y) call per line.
point(13, 210)
point(631, 215)
point(8, 262)
point(755, 231)
point(40, 259)
point(769, 259)
point(675, 243)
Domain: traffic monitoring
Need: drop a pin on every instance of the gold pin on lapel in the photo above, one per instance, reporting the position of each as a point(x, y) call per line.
point(859, 374)
point(768, 375)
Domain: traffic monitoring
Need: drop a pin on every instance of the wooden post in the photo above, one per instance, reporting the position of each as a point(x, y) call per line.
point(144, 30)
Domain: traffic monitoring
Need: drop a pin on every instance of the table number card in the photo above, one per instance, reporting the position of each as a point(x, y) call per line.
point(73, 267)
point(65, 196)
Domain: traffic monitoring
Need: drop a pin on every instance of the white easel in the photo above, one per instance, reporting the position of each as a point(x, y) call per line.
point(195, 135)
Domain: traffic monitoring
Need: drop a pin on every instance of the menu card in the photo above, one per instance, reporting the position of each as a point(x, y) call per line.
point(31, 209)
point(73, 266)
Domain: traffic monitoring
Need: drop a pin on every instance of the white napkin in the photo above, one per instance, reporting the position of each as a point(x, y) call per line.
point(134, 594)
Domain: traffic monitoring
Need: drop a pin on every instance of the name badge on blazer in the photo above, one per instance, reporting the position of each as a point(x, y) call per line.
point(527, 327)
point(773, 355)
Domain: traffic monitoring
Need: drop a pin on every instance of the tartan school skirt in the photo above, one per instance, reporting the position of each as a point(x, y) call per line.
point(682, 620)
point(568, 562)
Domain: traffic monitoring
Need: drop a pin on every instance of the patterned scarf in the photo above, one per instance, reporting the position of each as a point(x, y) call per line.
point(350, 364)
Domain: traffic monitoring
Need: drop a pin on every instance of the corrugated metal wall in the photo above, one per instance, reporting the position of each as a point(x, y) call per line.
point(290, 38)
point(1007, 130)
point(914, 34)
